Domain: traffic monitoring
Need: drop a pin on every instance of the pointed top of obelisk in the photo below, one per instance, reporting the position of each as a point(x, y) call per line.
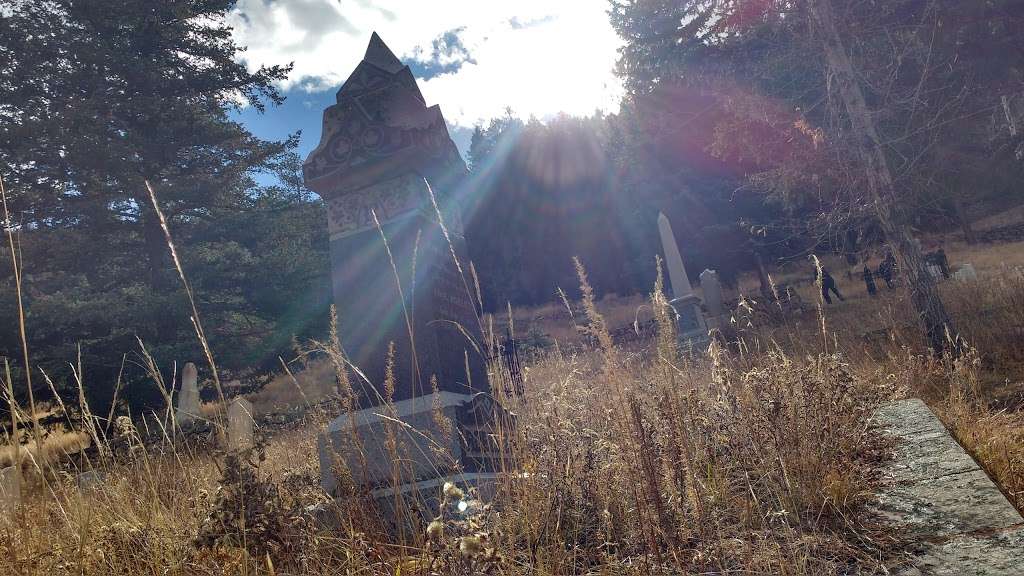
point(378, 54)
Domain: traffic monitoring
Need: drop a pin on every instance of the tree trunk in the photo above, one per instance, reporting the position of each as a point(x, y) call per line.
point(923, 292)
point(154, 245)
point(965, 224)
point(762, 276)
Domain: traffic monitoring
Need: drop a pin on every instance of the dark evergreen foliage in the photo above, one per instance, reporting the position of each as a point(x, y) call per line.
point(98, 97)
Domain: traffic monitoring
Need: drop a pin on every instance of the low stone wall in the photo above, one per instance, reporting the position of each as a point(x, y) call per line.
point(940, 497)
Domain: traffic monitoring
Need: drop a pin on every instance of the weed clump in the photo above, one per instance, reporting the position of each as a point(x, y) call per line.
point(251, 513)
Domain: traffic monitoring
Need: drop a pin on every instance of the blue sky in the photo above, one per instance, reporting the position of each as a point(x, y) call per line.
point(473, 57)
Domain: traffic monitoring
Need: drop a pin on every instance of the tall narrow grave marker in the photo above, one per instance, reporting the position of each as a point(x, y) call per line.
point(712, 289)
point(692, 328)
point(188, 406)
point(241, 426)
point(381, 145)
point(388, 171)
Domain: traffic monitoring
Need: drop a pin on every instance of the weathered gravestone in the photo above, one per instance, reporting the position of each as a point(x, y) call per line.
point(381, 145)
point(10, 488)
point(241, 426)
point(692, 328)
point(712, 288)
point(188, 407)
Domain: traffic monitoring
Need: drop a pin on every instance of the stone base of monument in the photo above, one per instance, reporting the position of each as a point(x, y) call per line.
point(715, 322)
point(445, 437)
point(690, 324)
point(432, 436)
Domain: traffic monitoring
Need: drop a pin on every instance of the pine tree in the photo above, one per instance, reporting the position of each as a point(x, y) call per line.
point(98, 97)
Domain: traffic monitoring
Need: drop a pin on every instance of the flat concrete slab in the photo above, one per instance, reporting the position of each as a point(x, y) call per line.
point(940, 496)
point(948, 506)
point(996, 555)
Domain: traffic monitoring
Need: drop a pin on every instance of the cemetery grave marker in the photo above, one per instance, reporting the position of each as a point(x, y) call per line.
point(692, 328)
point(712, 288)
point(188, 407)
point(965, 273)
point(241, 426)
point(10, 488)
point(387, 169)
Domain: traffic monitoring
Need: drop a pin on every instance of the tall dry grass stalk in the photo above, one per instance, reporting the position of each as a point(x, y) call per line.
point(16, 267)
point(196, 322)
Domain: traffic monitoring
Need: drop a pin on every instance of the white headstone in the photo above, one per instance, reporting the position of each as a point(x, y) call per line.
point(690, 320)
point(188, 408)
point(10, 488)
point(673, 260)
point(935, 271)
point(966, 273)
point(240, 424)
point(712, 292)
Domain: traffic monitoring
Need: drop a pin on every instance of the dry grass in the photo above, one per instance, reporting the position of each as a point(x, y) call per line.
point(978, 397)
point(756, 459)
point(57, 445)
point(879, 337)
point(628, 463)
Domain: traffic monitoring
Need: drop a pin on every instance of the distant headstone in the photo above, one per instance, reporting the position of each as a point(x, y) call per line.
point(712, 293)
point(692, 327)
point(678, 279)
point(10, 488)
point(965, 273)
point(240, 424)
point(188, 408)
point(380, 146)
point(934, 270)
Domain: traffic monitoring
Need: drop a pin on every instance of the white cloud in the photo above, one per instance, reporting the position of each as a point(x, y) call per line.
point(539, 57)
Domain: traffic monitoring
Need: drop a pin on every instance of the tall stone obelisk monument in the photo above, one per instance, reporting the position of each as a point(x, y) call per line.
point(691, 319)
point(380, 146)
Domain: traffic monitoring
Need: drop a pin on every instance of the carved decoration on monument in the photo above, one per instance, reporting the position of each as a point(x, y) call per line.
point(353, 212)
point(380, 123)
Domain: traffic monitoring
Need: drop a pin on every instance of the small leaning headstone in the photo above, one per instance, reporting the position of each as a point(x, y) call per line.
point(241, 425)
point(10, 488)
point(188, 408)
